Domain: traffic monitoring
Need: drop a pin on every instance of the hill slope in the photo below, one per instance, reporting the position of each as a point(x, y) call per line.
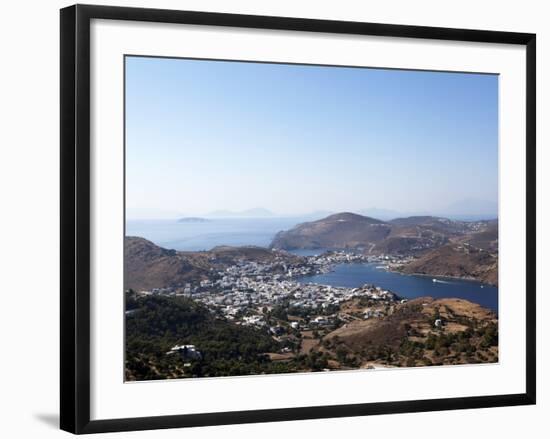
point(156, 324)
point(342, 230)
point(407, 236)
point(457, 260)
point(408, 336)
point(147, 266)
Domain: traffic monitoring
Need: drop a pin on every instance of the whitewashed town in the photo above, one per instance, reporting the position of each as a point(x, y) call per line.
point(245, 291)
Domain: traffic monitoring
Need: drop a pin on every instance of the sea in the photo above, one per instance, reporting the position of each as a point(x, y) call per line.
point(407, 286)
point(196, 236)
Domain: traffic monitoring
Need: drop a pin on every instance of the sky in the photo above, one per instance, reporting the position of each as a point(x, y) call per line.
point(205, 135)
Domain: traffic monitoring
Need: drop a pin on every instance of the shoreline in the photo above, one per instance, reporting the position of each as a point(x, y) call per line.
point(388, 268)
point(439, 276)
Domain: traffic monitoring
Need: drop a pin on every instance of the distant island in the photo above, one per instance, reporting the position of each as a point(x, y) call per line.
point(193, 219)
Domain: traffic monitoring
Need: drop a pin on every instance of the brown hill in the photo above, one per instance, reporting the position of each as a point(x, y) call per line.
point(457, 260)
point(342, 230)
point(487, 239)
point(418, 234)
point(409, 337)
point(147, 266)
point(406, 245)
point(407, 236)
point(436, 224)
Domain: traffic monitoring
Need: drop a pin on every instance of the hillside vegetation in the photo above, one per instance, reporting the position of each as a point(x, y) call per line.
point(409, 336)
point(155, 324)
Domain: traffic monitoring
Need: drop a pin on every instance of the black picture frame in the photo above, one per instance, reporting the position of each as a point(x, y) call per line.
point(75, 217)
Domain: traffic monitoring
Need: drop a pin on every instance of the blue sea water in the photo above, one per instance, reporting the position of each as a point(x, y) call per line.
point(407, 286)
point(196, 236)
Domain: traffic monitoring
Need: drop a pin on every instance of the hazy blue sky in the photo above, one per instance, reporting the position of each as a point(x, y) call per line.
point(211, 135)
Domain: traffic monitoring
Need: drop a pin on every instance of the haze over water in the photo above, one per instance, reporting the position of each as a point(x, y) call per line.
point(196, 236)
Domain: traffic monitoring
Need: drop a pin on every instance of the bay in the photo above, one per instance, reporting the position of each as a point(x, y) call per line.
point(197, 236)
point(407, 286)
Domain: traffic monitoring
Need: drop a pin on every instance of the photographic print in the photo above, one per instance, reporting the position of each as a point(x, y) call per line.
point(293, 218)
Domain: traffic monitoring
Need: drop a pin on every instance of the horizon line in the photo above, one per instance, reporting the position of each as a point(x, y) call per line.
point(321, 215)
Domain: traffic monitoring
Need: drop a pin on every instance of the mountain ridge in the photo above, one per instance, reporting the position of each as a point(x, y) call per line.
point(340, 230)
point(439, 246)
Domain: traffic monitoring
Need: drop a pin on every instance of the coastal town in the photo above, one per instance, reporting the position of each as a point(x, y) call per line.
point(277, 315)
point(285, 308)
point(248, 292)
